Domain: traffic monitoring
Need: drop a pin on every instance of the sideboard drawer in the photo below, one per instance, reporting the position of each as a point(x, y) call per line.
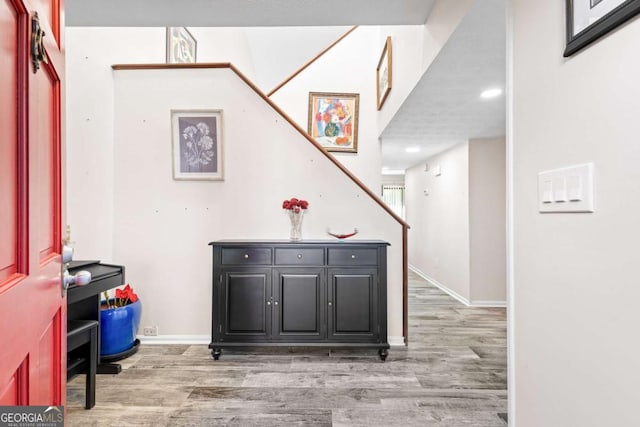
point(299, 256)
point(355, 256)
point(249, 255)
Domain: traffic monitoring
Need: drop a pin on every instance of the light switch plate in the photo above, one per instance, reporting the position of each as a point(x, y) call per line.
point(568, 189)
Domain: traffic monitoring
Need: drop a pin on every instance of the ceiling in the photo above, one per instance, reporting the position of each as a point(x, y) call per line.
point(443, 109)
point(245, 13)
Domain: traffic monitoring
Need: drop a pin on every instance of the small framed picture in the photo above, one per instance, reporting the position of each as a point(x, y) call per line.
point(333, 120)
point(181, 46)
point(588, 20)
point(383, 74)
point(197, 144)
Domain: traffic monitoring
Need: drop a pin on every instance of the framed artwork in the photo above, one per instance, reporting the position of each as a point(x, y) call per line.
point(181, 46)
point(383, 74)
point(333, 120)
point(197, 144)
point(588, 20)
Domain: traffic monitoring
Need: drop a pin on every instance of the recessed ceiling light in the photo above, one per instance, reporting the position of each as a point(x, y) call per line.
point(412, 149)
point(491, 93)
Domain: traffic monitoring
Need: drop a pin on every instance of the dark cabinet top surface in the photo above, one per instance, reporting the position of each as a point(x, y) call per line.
point(103, 277)
point(350, 242)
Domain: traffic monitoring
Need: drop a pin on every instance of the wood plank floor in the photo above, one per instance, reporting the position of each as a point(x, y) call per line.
point(453, 373)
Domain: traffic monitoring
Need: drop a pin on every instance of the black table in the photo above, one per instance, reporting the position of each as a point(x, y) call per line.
point(83, 303)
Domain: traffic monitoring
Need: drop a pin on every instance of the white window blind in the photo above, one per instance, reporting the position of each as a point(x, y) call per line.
point(393, 196)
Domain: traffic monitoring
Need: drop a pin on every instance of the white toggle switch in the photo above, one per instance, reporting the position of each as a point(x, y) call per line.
point(547, 191)
point(559, 189)
point(574, 188)
point(567, 189)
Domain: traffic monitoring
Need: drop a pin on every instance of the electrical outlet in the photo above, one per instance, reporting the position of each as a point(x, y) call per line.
point(150, 331)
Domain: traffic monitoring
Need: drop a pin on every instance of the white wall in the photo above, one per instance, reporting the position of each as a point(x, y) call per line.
point(487, 221)
point(89, 127)
point(277, 53)
point(89, 143)
point(267, 55)
point(225, 44)
point(103, 202)
point(443, 20)
point(407, 49)
point(392, 179)
point(439, 233)
point(162, 226)
point(89, 147)
point(457, 236)
point(347, 68)
point(576, 288)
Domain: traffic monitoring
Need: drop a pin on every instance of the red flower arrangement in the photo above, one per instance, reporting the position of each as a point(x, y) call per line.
point(295, 208)
point(123, 297)
point(295, 204)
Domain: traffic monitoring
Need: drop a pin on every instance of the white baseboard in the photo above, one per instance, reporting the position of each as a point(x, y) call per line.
point(478, 303)
point(440, 286)
point(498, 304)
point(396, 341)
point(175, 339)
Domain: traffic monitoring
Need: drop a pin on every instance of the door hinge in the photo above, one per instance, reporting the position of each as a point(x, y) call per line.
point(220, 279)
point(220, 328)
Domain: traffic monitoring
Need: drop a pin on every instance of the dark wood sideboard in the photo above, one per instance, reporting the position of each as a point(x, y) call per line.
point(312, 293)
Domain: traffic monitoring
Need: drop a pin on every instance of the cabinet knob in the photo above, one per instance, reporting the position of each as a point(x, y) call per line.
point(246, 256)
point(299, 256)
point(330, 304)
point(353, 256)
point(276, 302)
point(268, 302)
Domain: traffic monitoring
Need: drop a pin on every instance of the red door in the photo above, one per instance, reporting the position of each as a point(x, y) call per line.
point(32, 306)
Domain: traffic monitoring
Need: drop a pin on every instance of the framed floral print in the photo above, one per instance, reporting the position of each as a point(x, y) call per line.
point(383, 74)
point(197, 144)
point(333, 120)
point(181, 46)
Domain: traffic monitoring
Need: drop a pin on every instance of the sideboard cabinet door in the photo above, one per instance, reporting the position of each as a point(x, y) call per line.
point(298, 310)
point(245, 297)
point(352, 304)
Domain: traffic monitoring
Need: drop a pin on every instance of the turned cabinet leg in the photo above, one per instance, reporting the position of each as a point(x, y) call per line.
point(383, 352)
point(216, 352)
